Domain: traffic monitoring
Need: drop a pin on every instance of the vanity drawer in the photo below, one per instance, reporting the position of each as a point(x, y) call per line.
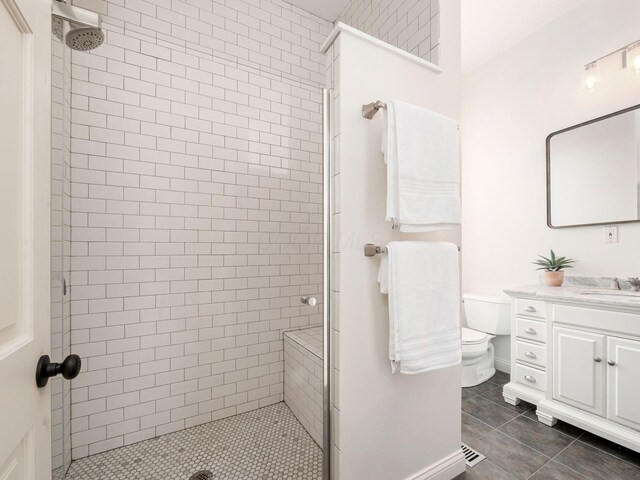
point(531, 353)
point(598, 319)
point(531, 329)
point(531, 377)
point(531, 308)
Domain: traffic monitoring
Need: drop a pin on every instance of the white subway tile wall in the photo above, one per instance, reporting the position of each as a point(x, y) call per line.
point(196, 211)
point(412, 25)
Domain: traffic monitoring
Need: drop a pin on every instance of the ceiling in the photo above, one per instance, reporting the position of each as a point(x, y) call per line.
point(327, 9)
point(489, 27)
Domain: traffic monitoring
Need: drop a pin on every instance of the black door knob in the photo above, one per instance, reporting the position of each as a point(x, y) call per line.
point(69, 368)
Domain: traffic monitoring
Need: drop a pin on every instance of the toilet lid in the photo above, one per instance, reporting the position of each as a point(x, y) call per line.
point(472, 337)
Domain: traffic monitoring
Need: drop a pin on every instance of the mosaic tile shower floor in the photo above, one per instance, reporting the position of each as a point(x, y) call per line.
point(264, 444)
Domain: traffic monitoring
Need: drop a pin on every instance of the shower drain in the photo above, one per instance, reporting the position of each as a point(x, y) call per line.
point(202, 475)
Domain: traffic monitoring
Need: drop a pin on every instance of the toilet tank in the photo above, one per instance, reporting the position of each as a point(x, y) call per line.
point(488, 313)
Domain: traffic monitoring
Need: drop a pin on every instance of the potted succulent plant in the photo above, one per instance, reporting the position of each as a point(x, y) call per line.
point(554, 268)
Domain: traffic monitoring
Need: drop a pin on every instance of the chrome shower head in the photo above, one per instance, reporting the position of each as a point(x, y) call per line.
point(84, 32)
point(84, 38)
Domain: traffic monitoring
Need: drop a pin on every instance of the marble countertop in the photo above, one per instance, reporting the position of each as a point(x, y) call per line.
point(583, 294)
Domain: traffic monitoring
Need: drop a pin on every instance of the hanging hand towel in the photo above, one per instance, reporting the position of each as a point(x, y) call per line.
point(421, 151)
point(422, 280)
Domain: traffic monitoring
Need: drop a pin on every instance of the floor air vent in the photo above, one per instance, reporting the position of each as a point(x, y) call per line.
point(202, 475)
point(471, 456)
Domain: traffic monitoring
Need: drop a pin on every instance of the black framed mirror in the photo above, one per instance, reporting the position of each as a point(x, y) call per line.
point(593, 171)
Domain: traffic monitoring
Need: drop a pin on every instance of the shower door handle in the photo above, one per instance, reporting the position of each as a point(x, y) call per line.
point(311, 301)
point(69, 368)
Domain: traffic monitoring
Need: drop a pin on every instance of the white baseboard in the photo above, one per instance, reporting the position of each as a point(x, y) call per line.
point(502, 365)
point(444, 469)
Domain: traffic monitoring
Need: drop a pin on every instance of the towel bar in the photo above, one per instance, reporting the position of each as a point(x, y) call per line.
point(371, 250)
point(370, 109)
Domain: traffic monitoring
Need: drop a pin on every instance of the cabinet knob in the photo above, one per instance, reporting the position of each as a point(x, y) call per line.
point(529, 379)
point(530, 308)
point(530, 331)
point(611, 363)
point(530, 355)
point(597, 359)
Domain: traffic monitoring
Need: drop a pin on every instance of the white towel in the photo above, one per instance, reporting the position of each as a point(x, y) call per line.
point(421, 279)
point(421, 151)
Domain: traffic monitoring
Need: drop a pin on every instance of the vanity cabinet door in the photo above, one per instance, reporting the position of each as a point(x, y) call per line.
point(578, 369)
point(623, 394)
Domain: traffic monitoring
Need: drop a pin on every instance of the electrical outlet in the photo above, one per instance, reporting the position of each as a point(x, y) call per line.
point(611, 234)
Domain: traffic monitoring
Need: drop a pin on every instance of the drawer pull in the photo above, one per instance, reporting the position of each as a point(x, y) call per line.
point(597, 359)
point(530, 355)
point(611, 363)
point(530, 308)
point(529, 379)
point(530, 331)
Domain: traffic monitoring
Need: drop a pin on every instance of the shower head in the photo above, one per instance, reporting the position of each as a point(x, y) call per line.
point(84, 32)
point(84, 38)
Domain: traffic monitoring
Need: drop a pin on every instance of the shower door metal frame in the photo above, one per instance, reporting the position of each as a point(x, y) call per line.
point(326, 271)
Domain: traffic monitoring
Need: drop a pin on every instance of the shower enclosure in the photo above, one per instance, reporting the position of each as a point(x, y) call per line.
point(60, 250)
point(190, 226)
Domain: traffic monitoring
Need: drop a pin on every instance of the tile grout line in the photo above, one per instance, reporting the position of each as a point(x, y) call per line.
point(574, 439)
point(605, 452)
point(556, 455)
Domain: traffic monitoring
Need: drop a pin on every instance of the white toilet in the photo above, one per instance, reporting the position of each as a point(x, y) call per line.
point(487, 316)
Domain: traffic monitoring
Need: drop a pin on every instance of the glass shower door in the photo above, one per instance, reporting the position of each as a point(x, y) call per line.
point(60, 249)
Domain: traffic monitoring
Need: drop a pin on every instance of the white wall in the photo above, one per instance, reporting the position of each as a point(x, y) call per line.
point(510, 105)
point(386, 427)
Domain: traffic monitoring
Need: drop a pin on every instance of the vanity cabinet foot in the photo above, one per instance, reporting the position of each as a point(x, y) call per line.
point(545, 418)
point(510, 399)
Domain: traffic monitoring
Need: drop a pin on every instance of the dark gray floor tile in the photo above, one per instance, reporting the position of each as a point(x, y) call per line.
point(556, 471)
point(473, 430)
point(597, 464)
point(468, 392)
point(511, 455)
point(561, 426)
point(612, 448)
point(536, 435)
point(495, 395)
point(487, 411)
point(485, 470)
point(500, 378)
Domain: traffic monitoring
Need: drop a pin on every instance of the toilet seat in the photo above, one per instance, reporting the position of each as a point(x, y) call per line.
point(474, 343)
point(477, 357)
point(473, 337)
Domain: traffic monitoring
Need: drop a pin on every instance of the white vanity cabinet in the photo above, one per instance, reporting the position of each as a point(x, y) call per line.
point(579, 369)
point(577, 358)
point(623, 381)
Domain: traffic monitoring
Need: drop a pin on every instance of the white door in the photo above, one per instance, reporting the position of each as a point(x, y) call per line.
point(578, 369)
point(25, 91)
point(623, 394)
